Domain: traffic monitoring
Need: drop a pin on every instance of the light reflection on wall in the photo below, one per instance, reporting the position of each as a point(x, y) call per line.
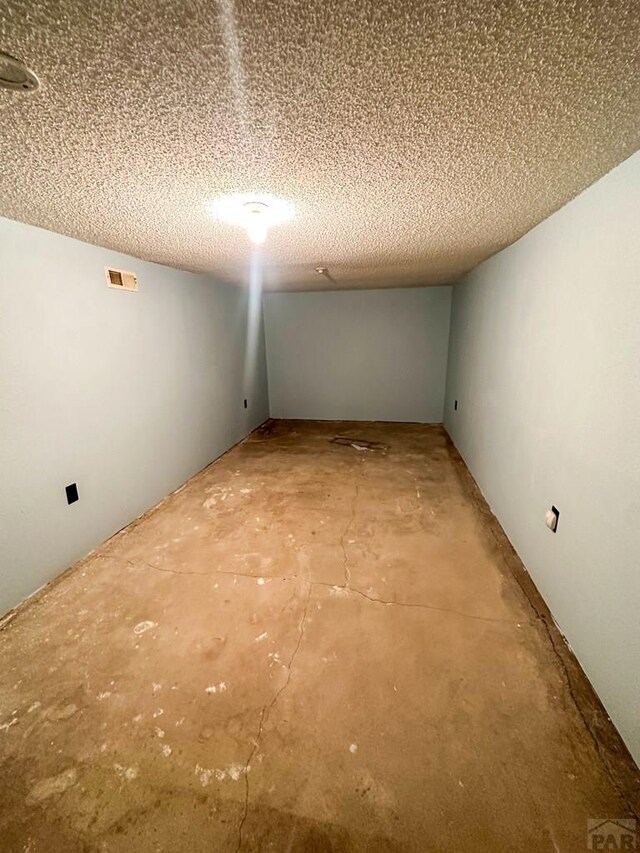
point(254, 311)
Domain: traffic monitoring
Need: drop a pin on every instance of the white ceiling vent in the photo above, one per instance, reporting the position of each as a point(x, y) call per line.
point(120, 279)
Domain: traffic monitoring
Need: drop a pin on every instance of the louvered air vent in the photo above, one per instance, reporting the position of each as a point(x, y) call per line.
point(121, 280)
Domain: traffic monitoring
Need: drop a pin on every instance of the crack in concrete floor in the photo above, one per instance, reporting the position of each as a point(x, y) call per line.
point(347, 572)
point(264, 716)
point(347, 587)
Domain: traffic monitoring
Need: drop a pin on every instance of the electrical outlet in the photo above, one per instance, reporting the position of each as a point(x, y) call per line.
point(455, 406)
point(72, 493)
point(245, 404)
point(551, 519)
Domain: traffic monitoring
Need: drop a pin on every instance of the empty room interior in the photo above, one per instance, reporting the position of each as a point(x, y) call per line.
point(319, 426)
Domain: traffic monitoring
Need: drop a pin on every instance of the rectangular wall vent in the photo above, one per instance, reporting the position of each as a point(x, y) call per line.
point(121, 280)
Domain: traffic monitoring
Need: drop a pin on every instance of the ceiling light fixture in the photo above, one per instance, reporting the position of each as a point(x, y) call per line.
point(257, 221)
point(15, 75)
point(257, 214)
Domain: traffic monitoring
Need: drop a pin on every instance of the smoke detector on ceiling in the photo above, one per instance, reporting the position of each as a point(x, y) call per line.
point(324, 272)
point(15, 75)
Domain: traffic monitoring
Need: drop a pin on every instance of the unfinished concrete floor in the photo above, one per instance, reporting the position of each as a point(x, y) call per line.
point(310, 647)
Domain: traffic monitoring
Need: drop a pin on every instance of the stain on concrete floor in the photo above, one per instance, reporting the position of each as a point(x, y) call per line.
point(307, 648)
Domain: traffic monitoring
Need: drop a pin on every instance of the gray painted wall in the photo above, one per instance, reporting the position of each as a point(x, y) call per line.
point(127, 394)
point(545, 363)
point(359, 355)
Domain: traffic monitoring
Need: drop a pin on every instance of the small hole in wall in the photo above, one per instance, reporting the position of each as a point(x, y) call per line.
point(245, 404)
point(455, 406)
point(72, 493)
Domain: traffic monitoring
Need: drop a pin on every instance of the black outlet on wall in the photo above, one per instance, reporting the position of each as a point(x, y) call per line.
point(72, 493)
point(245, 404)
point(455, 406)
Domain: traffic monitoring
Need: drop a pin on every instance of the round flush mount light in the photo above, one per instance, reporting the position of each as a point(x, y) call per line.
point(257, 220)
point(256, 214)
point(15, 75)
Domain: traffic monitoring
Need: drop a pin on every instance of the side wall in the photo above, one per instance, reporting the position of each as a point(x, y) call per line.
point(360, 355)
point(127, 394)
point(545, 365)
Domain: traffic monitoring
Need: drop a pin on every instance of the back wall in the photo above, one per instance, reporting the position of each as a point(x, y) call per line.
point(361, 355)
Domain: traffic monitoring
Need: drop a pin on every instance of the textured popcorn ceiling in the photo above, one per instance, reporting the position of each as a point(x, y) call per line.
point(414, 138)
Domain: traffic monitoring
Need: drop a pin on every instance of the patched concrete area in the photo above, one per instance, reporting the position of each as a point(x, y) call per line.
point(315, 645)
